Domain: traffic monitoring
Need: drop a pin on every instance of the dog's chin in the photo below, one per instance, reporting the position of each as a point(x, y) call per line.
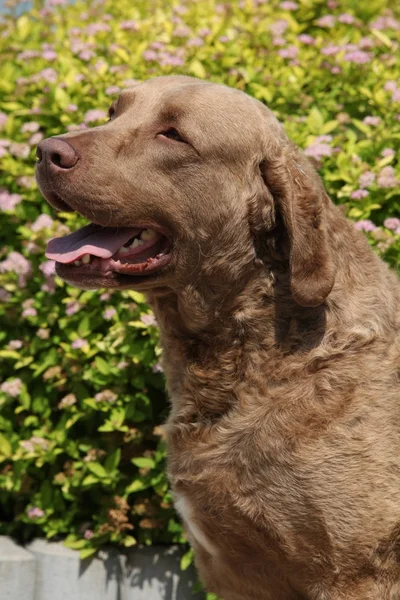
point(87, 278)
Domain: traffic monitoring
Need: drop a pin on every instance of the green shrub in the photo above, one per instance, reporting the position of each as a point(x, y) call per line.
point(81, 395)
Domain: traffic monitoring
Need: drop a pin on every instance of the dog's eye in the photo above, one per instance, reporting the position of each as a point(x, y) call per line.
point(173, 134)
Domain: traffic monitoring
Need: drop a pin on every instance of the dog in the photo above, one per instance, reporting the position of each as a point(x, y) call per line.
point(280, 334)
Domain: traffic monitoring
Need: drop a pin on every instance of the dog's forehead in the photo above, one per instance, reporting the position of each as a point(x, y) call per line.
point(187, 94)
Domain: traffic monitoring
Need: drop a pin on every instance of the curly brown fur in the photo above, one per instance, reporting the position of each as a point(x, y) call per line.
point(280, 331)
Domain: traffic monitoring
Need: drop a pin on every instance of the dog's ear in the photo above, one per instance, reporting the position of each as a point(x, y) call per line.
point(302, 203)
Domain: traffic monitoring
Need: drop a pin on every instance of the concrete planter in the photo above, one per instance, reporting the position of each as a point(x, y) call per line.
point(50, 571)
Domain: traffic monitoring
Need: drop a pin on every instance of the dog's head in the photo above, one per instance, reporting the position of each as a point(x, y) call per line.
point(188, 181)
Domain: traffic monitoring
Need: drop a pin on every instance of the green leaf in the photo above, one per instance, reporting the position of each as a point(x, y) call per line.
point(97, 469)
point(143, 462)
point(197, 69)
point(112, 460)
point(87, 552)
point(102, 366)
point(136, 486)
point(129, 541)
point(5, 446)
point(315, 121)
point(75, 544)
point(187, 559)
point(84, 327)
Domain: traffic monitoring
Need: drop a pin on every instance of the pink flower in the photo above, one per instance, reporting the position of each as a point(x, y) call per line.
point(28, 54)
point(15, 344)
point(25, 181)
point(19, 150)
point(326, 21)
point(346, 18)
point(318, 150)
point(94, 28)
point(149, 320)
point(106, 396)
point(12, 387)
point(49, 75)
point(330, 50)
point(79, 343)
point(304, 38)
point(366, 43)
point(204, 32)
point(366, 179)
point(42, 222)
point(129, 82)
point(36, 138)
point(17, 263)
point(374, 121)
point(279, 27)
point(359, 194)
point(392, 223)
point(390, 86)
point(29, 312)
point(71, 108)
point(95, 115)
point(49, 55)
point(365, 225)
point(86, 54)
point(181, 31)
point(72, 307)
point(112, 89)
point(9, 201)
point(48, 268)
point(67, 401)
point(289, 52)
point(157, 368)
point(109, 313)
point(35, 512)
point(43, 333)
point(385, 22)
point(150, 55)
point(278, 41)
point(396, 95)
point(122, 365)
point(3, 119)
point(288, 5)
point(195, 42)
point(31, 127)
point(129, 25)
point(88, 534)
point(387, 152)
point(387, 178)
point(358, 57)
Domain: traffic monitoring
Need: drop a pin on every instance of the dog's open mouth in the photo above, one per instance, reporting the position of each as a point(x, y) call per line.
point(108, 251)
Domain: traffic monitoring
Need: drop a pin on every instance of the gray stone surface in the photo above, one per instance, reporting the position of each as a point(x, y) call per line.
point(50, 571)
point(61, 575)
point(17, 571)
point(154, 574)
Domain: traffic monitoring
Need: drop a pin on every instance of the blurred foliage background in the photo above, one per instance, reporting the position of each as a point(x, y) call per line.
point(81, 389)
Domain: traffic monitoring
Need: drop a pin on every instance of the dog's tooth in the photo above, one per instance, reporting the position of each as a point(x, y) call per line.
point(86, 259)
point(148, 234)
point(124, 250)
point(77, 263)
point(136, 242)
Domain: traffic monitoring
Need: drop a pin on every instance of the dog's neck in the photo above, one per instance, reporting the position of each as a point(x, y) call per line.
point(212, 346)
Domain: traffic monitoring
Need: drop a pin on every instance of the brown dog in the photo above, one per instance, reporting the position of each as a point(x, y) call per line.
point(280, 331)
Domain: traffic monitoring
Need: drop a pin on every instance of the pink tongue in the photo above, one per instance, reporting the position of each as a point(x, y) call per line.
point(92, 239)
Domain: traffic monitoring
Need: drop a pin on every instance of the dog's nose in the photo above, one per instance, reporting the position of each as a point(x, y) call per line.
point(57, 153)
